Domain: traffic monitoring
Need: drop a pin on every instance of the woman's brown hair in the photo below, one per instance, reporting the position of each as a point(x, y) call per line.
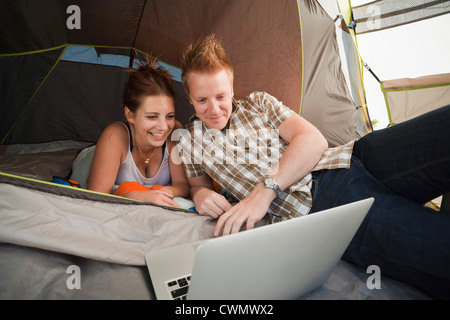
point(148, 80)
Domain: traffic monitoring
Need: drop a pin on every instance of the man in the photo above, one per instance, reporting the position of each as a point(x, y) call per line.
point(295, 174)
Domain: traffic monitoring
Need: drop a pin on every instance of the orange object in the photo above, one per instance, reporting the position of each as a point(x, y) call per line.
point(128, 186)
point(217, 186)
point(74, 183)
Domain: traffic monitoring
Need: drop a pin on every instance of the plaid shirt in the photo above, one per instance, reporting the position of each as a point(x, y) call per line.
point(240, 156)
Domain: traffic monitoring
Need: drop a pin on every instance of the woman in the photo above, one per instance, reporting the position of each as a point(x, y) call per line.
point(136, 154)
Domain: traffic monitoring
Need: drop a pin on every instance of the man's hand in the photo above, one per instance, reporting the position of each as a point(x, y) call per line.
point(209, 202)
point(249, 210)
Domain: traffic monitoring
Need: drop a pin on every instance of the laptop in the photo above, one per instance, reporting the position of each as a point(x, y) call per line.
point(282, 261)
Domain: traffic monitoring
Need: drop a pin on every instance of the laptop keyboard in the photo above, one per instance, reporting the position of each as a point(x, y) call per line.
point(178, 288)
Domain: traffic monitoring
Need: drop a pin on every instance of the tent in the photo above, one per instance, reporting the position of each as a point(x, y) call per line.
point(61, 79)
point(287, 48)
point(405, 47)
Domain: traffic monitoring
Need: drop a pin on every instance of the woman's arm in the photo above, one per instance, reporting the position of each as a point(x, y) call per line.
point(180, 185)
point(110, 151)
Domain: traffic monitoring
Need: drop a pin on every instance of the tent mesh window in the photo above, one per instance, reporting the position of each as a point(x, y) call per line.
point(378, 15)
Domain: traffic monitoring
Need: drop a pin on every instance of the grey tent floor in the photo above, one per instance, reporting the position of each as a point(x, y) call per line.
point(29, 273)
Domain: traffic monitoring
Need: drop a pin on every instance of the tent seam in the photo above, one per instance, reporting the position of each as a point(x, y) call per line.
point(139, 24)
point(59, 185)
point(416, 88)
point(68, 44)
point(32, 52)
point(387, 104)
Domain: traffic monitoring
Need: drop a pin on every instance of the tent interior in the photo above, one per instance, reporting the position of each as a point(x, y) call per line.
point(62, 72)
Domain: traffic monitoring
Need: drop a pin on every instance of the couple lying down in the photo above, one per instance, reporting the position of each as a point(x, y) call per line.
point(282, 167)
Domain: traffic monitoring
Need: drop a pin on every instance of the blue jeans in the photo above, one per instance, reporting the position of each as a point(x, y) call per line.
point(402, 167)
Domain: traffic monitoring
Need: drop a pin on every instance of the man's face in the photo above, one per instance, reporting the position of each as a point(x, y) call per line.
point(211, 94)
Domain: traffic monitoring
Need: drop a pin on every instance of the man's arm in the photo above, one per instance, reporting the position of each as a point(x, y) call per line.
point(306, 146)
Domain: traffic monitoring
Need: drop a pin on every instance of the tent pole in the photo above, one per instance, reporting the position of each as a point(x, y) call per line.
point(131, 58)
point(135, 36)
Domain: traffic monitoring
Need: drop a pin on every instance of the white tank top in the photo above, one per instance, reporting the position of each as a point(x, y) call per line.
point(128, 170)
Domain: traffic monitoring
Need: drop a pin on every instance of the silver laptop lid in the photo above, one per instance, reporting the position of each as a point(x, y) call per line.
point(280, 261)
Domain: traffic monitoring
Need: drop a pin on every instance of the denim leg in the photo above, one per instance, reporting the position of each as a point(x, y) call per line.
point(411, 158)
point(407, 241)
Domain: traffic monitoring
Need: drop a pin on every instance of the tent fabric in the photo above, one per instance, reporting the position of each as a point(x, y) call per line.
point(61, 118)
point(262, 39)
point(265, 40)
point(351, 65)
point(21, 76)
point(327, 100)
point(356, 84)
point(408, 98)
point(113, 230)
point(379, 15)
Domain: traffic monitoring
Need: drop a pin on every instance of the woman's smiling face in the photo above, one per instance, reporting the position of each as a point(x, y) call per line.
point(153, 121)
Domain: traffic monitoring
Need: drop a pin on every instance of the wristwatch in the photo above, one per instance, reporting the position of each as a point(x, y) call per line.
point(271, 183)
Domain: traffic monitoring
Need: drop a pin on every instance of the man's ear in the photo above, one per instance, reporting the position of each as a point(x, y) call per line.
point(129, 115)
point(232, 87)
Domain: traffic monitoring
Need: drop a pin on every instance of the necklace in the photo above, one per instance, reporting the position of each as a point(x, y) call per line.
point(147, 160)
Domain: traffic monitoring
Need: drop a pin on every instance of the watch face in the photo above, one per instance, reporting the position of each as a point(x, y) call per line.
point(269, 182)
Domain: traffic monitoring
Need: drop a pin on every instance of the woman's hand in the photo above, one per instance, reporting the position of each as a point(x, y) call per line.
point(159, 196)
